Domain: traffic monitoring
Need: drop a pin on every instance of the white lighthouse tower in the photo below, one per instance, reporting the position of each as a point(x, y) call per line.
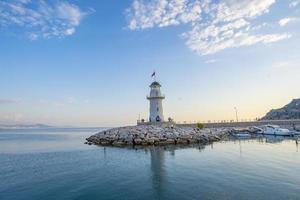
point(155, 98)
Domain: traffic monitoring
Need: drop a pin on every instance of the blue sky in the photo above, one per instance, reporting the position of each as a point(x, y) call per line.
point(88, 63)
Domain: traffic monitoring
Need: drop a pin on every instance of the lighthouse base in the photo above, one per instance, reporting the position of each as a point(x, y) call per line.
point(139, 122)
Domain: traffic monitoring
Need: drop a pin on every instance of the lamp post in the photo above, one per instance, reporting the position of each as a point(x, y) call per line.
point(236, 114)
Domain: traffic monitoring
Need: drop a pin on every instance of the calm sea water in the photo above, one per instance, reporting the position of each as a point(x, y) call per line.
point(57, 165)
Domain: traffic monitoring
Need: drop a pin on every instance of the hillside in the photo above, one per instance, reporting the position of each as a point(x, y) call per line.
point(25, 126)
point(289, 111)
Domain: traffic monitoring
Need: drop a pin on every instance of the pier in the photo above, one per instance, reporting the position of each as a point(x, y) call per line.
point(282, 123)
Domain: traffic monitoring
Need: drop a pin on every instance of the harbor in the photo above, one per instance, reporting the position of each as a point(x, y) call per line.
point(156, 131)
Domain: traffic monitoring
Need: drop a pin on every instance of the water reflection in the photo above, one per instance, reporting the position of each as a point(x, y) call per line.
point(274, 139)
point(258, 168)
point(104, 153)
point(158, 172)
point(240, 145)
point(268, 139)
point(158, 169)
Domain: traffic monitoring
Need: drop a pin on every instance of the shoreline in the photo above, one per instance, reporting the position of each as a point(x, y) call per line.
point(162, 134)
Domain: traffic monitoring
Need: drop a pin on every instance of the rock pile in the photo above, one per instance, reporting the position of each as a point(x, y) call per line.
point(168, 134)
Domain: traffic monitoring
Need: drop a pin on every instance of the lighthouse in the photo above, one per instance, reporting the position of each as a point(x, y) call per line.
point(155, 98)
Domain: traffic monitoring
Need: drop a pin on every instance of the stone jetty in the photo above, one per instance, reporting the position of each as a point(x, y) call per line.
point(157, 134)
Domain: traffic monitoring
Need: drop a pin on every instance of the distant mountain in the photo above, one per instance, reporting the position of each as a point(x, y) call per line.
point(289, 111)
point(25, 126)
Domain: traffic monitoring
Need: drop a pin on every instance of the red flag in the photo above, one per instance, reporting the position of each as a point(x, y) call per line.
point(153, 74)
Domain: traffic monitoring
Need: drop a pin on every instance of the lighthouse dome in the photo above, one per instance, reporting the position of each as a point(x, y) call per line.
point(155, 84)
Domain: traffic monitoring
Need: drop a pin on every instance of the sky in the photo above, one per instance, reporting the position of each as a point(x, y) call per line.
point(89, 62)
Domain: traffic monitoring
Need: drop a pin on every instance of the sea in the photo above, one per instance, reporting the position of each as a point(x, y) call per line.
point(56, 164)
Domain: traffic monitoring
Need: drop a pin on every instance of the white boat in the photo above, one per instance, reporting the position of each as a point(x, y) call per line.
point(255, 129)
point(275, 130)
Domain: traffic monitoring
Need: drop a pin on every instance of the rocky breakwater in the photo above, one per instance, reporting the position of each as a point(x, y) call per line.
point(164, 134)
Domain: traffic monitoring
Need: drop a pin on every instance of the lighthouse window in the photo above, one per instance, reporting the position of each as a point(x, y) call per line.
point(157, 109)
point(156, 93)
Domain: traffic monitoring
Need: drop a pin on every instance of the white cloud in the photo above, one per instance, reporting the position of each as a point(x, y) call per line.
point(58, 104)
point(162, 13)
point(69, 12)
point(65, 102)
point(11, 117)
point(70, 31)
point(281, 65)
point(294, 3)
point(41, 19)
point(214, 26)
point(33, 36)
point(238, 39)
point(71, 100)
point(285, 21)
point(210, 61)
point(8, 101)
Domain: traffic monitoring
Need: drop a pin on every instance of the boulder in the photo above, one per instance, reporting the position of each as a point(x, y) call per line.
point(104, 142)
point(192, 141)
point(170, 141)
point(137, 141)
point(181, 141)
point(118, 143)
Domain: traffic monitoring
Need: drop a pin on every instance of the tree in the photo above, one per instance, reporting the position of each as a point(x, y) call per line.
point(200, 125)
